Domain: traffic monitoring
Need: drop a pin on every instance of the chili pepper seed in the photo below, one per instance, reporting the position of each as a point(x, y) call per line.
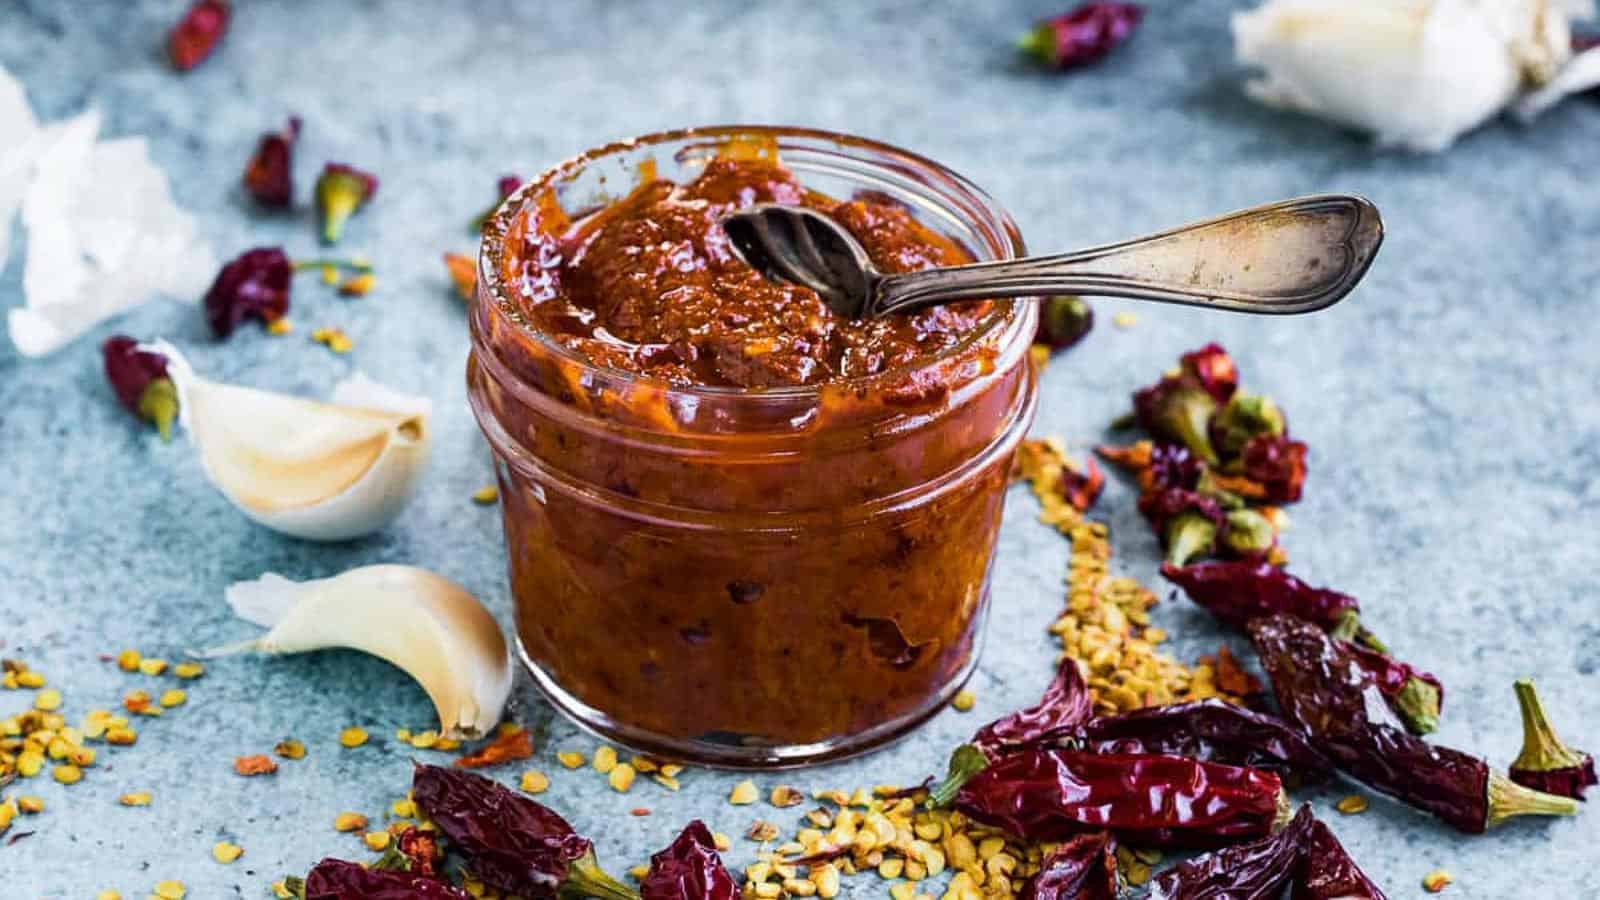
point(744, 793)
point(486, 496)
point(353, 737)
point(67, 774)
point(30, 804)
point(138, 798)
point(152, 666)
point(171, 890)
point(572, 759)
point(290, 749)
point(535, 782)
point(621, 778)
point(47, 700)
point(280, 327)
point(349, 821)
point(1352, 804)
point(376, 840)
point(191, 670)
point(174, 697)
point(1435, 881)
point(225, 852)
point(128, 660)
point(963, 701)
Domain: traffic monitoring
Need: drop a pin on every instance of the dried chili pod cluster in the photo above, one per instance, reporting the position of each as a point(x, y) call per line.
point(1238, 591)
point(1323, 691)
point(1218, 461)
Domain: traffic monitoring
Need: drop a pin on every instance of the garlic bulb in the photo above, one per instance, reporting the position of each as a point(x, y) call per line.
point(425, 624)
point(320, 471)
point(1415, 73)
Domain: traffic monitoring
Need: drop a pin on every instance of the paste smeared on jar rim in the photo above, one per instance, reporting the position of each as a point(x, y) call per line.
point(651, 285)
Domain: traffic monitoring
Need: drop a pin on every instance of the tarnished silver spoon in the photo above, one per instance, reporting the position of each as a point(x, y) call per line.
point(1296, 256)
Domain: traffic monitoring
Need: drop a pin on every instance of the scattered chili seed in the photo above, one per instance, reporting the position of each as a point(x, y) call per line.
point(259, 764)
point(1435, 881)
point(605, 759)
point(721, 841)
point(639, 812)
point(404, 808)
point(444, 743)
point(621, 778)
point(486, 496)
point(174, 697)
point(783, 795)
point(290, 749)
point(189, 670)
point(744, 793)
point(376, 840)
point(671, 770)
point(280, 327)
point(359, 285)
point(128, 660)
point(666, 781)
point(121, 736)
point(572, 759)
point(137, 798)
point(637, 873)
point(108, 895)
point(1352, 804)
point(334, 339)
point(171, 890)
point(963, 701)
point(30, 804)
point(1125, 320)
point(761, 830)
point(152, 666)
point(225, 852)
point(47, 699)
point(349, 821)
point(30, 679)
point(67, 774)
point(508, 747)
point(463, 274)
point(535, 782)
point(353, 737)
point(138, 703)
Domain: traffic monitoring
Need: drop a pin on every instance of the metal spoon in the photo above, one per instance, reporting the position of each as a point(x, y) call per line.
point(1296, 256)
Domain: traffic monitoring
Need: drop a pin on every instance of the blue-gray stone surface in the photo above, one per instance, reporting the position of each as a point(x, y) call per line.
point(1450, 402)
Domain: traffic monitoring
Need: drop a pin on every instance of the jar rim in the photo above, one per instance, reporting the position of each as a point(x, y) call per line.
point(496, 229)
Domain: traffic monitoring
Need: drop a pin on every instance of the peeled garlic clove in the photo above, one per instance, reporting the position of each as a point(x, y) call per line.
point(421, 622)
point(320, 471)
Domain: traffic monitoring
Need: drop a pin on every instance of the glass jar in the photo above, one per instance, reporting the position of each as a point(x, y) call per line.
point(748, 577)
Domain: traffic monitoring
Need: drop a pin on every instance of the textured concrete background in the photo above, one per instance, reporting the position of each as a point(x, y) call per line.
point(1449, 403)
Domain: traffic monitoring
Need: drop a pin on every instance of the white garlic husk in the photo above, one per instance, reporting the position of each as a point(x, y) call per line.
point(320, 471)
point(425, 624)
point(1416, 74)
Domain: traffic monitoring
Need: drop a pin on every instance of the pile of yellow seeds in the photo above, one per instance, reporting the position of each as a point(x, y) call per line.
point(1106, 624)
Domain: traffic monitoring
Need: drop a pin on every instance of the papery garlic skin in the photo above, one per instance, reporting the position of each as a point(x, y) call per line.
point(421, 622)
point(1414, 73)
point(319, 471)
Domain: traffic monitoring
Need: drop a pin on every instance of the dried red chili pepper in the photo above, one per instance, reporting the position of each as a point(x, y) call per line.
point(253, 286)
point(341, 190)
point(1328, 873)
point(421, 851)
point(510, 842)
point(1208, 730)
point(689, 869)
point(1083, 35)
point(1243, 417)
point(1277, 464)
point(139, 378)
point(1545, 763)
point(1240, 590)
point(1063, 321)
point(337, 879)
point(1151, 800)
point(1083, 868)
point(1082, 488)
point(1416, 697)
point(197, 33)
point(1213, 369)
point(269, 176)
point(1066, 702)
point(1324, 691)
point(1177, 409)
point(1257, 870)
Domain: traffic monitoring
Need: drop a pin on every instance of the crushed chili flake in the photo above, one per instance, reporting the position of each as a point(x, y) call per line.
point(503, 749)
point(269, 176)
point(259, 764)
point(359, 285)
point(463, 273)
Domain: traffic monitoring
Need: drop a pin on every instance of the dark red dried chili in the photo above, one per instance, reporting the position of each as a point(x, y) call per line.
point(1213, 369)
point(197, 33)
point(689, 869)
point(1082, 488)
point(1257, 870)
point(1323, 690)
point(1063, 321)
point(1209, 730)
point(1066, 703)
point(420, 849)
point(1083, 35)
point(253, 286)
point(139, 378)
point(269, 176)
point(1082, 868)
point(1152, 800)
point(510, 842)
point(336, 879)
point(1241, 590)
point(1277, 464)
point(1545, 763)
point(1328, 873)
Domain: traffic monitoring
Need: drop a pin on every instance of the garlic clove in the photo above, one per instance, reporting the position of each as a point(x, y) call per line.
point(320, 471)
point(421, 622)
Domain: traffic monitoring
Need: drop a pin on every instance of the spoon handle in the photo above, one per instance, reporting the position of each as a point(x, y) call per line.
point(1296, 256)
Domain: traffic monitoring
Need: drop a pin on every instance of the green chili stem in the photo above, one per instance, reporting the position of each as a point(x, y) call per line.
point(159, 404)
point(1348, 627)
point(1189, 535)
point(1418, 705)
point(1507, 799)
point(965, 762)
point(1542, 750)
point(356, 263)
point(586, 879)
point(1040, 44)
